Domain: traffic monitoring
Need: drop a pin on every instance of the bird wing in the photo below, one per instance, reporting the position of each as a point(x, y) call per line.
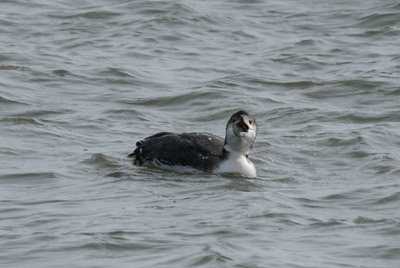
point(197, 150)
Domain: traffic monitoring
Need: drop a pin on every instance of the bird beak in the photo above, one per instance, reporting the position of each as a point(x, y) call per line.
point(241, 126)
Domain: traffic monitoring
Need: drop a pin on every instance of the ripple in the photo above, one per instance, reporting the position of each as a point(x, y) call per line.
point(192, 98)
point(5, 101)
point(24, 177)
point(100, 160)
point(369, 118)
point(328, 223)
point(389, 199)
point(378, 20)
point(20, 120)
point(343, 88)
point(10, 67)
point(61, 72)
point(92, 15)
point(366, 220)
point(42, 113)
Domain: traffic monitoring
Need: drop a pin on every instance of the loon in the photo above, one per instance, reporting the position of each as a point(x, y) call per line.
point(199, 151)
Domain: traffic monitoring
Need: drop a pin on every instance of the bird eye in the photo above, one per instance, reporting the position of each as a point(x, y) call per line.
point(251, 122)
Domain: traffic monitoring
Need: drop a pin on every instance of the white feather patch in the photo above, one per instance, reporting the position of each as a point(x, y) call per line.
point(237, 163)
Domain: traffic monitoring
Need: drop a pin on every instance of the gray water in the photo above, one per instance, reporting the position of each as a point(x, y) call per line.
point(82, 81)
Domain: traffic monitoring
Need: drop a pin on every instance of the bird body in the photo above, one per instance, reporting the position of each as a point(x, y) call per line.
point(199, 151)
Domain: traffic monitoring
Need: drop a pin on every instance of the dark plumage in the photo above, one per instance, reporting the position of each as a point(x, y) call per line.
point(201, 151)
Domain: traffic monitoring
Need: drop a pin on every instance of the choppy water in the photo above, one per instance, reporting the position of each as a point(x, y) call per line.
point(82, 81)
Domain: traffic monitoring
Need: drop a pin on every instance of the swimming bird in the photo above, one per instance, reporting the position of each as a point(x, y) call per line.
point(205, 152)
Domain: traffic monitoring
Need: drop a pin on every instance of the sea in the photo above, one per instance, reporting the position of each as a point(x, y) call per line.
point(82, 81)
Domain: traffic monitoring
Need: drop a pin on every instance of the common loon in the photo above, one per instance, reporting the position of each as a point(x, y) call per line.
point(199, 151)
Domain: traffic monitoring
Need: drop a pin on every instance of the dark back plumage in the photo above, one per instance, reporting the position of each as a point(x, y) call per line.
point(198, 150)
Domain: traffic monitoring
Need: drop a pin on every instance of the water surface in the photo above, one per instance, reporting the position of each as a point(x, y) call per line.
point(82, 81)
